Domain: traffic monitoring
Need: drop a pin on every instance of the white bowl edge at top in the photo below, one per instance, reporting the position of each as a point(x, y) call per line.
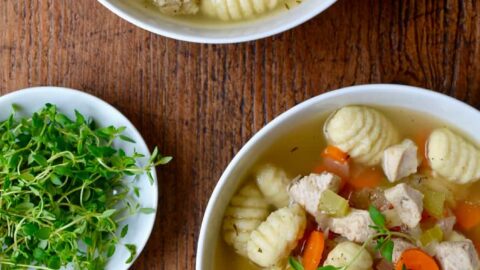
point(449, 110)
point(155, 22)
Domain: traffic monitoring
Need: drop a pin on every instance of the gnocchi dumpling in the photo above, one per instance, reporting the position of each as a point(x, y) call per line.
point(247, 210)
point(273, 183)
point(362, 132)
point(348, 252)
point(276, 237)
point(452, 157)
point(236, 9)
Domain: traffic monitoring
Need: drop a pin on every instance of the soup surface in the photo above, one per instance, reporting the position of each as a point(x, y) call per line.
point(210, 12)
point(445, 198)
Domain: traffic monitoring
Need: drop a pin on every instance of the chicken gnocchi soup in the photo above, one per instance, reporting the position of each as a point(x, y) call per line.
point(383, 189)
point(223, 10)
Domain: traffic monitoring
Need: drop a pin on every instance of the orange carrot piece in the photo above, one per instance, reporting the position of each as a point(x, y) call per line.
point(416, 259)
point(320, 168)
point(335, 154)
point(468, 215)
point(363, 177)
point(421, 141)
point(313, 251)
point(330, 165)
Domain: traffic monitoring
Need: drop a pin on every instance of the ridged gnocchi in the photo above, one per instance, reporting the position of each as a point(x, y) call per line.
point(362, 132)
point(345, 253)
point(452, 157)
point(273, 240)
point(236, 9)
point(273, 183)
point(247, 210)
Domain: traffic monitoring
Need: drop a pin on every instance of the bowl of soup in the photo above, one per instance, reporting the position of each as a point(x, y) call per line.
point(216, 21)
point(366, 177)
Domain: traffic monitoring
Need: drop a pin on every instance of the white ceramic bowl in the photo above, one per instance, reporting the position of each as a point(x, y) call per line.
point(440, 106)
point(32, 99)
point(139, 14)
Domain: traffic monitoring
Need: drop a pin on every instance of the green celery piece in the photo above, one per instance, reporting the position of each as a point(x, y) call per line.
point(434, 202)
point(431, 235)
point(333, 204)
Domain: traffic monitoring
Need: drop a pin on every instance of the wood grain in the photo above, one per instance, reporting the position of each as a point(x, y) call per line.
point(201, 103)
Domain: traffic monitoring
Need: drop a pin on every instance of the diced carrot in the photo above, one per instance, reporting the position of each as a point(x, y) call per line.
point(421, 141)
point(320, 168)
point(416, 259)
point(336, 154)
point(302, 243)
point(425, 215)
point(365, 177)
point(468, 215)
point(337, 168)
point(313, 251)
point(428, 220)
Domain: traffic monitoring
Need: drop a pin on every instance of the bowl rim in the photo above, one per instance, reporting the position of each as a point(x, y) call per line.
point(50, 90)
point(214, 197)
point(214, 40)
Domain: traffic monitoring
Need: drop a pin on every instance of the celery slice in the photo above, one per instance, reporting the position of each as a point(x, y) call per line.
point(431, 235)
point(333, 204)
point(434, 202)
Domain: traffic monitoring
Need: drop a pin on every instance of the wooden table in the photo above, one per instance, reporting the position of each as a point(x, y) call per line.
point(201, 103)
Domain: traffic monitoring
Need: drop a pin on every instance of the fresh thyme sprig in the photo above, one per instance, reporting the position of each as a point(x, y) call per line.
point(64, 189)
point(383, 242)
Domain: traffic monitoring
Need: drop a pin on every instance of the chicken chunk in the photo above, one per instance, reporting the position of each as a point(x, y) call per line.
point(455, 236)
point(392, 219)
point(399, 246)
point(355, 226)
point(408, 202)
point(446, 225)
point(177, 7)
point(308, 190)
point(454, 255)
point(400, 160)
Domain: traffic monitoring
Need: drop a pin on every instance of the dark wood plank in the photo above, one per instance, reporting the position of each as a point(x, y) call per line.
point(201, 103)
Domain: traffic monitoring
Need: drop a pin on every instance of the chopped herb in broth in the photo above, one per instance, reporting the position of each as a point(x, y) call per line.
point(366, 179)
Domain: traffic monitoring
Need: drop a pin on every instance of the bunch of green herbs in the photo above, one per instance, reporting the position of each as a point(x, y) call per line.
point(64, 190)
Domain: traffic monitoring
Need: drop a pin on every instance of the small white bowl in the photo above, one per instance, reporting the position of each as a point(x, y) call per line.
point(32, 99)
point(447, 109)
point(150, 19)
